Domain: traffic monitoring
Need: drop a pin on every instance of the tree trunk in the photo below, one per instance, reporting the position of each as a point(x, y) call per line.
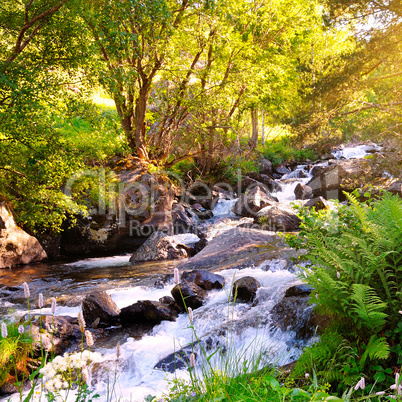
point(139, 131)
point(254, 124)
point(263, 129)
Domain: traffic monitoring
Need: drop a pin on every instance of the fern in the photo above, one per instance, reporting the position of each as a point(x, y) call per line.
point(377, 348)
point(368, 307)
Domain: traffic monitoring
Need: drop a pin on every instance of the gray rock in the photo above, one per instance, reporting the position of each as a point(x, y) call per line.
point(303, 192)
point(204, 279)
point(184, 220)
point(299, 290)
point(252, 201)
point(245, 289)
point(278, 218)
point(265, 166)
point(147, 312)
point(99, 307)
point(159, 246)
point(16, 246)
point(193, 295)
point(239, 248)
point(339, 176)
point(282, 169)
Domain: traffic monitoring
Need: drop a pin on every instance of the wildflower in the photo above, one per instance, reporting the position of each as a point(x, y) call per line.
point(193, 394)
point(306, 376)
point(176, 275)
point(4, 330)
point(21, 329)
point(380, 393)
point(40, 301)
point(53, 308)
point(26, 290)
point(361, 384)
point(190, 314)
point(192, 360)
point(85, 375)
point(89, 338)
point(118, 351)
point(400, 311)
point(316, 296)
point(338, 274)
point(81, 321)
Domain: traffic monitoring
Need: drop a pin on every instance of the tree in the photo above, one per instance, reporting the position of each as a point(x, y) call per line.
point(39, 53)
point(182, 73)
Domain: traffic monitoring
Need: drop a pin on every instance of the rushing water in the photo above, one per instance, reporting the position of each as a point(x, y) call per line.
point(244, 328)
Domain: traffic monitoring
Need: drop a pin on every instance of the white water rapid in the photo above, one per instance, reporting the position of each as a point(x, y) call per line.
point(241, 331)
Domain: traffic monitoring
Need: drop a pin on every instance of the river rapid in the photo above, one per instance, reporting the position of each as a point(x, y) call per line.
point(241, 332)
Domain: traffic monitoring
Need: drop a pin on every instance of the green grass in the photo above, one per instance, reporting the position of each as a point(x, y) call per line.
point(92, 128)
point(15, 349)
point(281, 146)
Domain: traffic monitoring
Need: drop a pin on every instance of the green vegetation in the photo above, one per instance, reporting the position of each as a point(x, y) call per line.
point(15, 353)
point(355, 268)
point(356, 272)
point(216, 78)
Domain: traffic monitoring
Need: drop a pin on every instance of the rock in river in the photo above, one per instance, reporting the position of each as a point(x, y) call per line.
point(16, 246)
point(204, 279)
point(159, 246)
point(193, 295)
point(239, 248)
point(245, 289)
point(99, 307)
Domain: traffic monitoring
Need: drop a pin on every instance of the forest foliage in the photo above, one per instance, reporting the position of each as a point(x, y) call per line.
point(189, 79)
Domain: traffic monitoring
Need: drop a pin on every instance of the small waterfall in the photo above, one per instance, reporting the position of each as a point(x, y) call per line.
point(354, 152)
point(224, 208)
point(234, 328)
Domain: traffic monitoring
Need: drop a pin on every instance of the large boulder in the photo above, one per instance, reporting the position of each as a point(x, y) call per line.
point(339, 176)
point(278, 218)
point(295, 313)
point(193, 295)
point(204, 279)
point(52, 334)
point(252, 201)
point(159, 246)
point(184, 220)
point(147, 312)
point(98, 308)
point(245, 289)
point(265, 166)
point(317, 203)
point(239, 248)
point(144, 206)
point(303, 192)
point(281, 170)
point(16, 246)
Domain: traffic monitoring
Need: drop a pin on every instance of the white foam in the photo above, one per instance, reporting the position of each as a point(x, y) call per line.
point(355, 152)
point(224, 208)
point(186, 238)
point(139, 377)
point(115, 261)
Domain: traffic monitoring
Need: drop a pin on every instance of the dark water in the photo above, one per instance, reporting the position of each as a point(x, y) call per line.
point(70, 282)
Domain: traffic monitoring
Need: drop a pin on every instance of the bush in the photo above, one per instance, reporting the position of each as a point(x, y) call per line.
point(356, 271)
point(15, 350)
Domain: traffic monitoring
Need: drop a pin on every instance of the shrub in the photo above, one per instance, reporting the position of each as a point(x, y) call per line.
point(356, 271)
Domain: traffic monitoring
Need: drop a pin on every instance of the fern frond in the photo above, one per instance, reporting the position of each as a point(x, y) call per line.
point(377, 348)
point(368, 309)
